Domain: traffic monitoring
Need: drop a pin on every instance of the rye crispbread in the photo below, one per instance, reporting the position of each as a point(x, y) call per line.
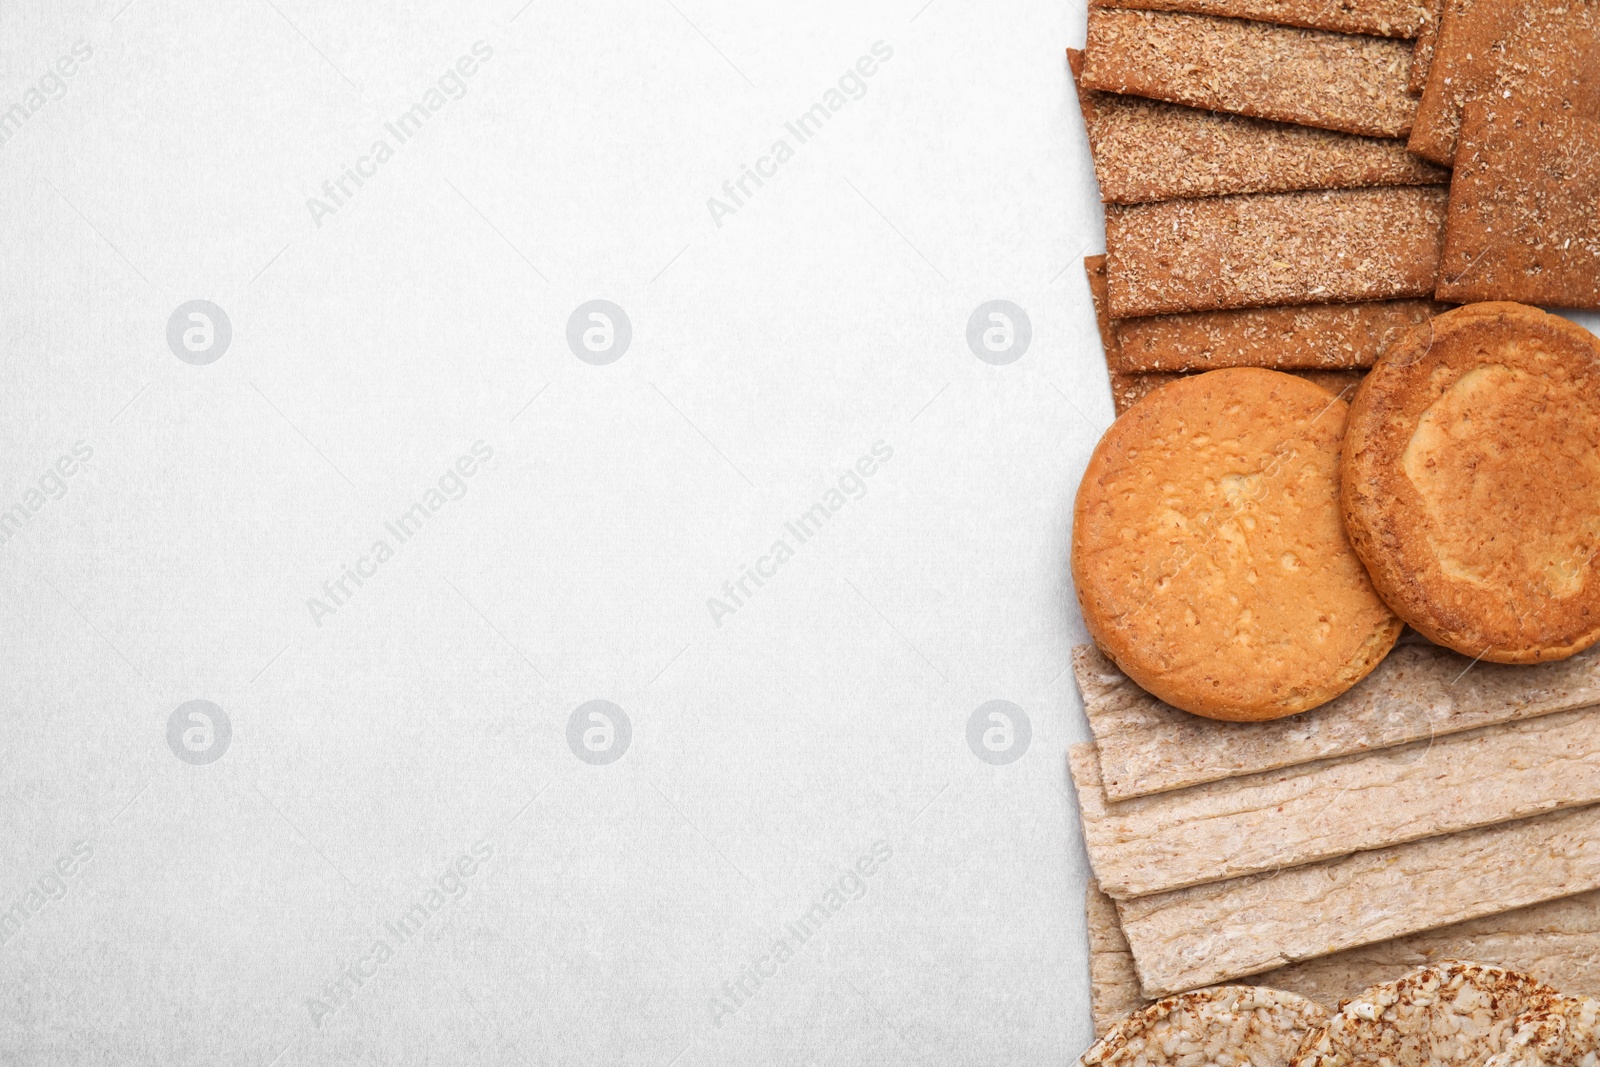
point(1422, 55)
point(1381, 18)
point(1535, 54)
point(1225, 930)
point(1524, 219)
point(1231, 1026)
point(1470, 482)
point(1563, 1034)
point(1338, 81)
point(1258, 250)
point(1419, 691)
point(1146, 150)
point(1226, 480)
point(1558, 942)
point(1452, 1014)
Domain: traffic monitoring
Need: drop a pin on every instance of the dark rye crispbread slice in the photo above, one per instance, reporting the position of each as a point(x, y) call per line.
point(1422, 54)
point(1296, 337)
point(1259, 250)
point(1148, 150)
point(1524, 221)
point(1337, 81)
point(1382, 18)
point(1543, 55)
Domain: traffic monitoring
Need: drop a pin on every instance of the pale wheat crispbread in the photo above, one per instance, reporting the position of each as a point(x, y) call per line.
point(1318, 811)
point(1563, 1034)
point(1257, 250)
point(1380, 18)
point(1338, 81)
point(1420, 691)
point(1208, 554)
point(1558, 942)
point(1537, 54)
point(1226, 930)
point(1453, 1014)
point(1524, 221)
point(1470, 482)
point(1231, 1026)
point(1147, 150)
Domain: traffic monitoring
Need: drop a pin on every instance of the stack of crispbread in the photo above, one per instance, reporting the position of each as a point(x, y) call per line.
point(1440, 809)
point(1275, 184)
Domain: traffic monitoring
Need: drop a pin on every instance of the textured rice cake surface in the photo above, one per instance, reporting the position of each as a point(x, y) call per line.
point(1347, 82)
point(1382, 18)
point(1471, 482)
point(1543, 55)
point(1233, 1026)
point(1441, 1016)
point(1225, 930)
point(1419, 692)
point(1524, 220)
point(1558, 942)
point(1336, 246)
point(1322, 810)
point(1565, 1033)
point(1147, 150)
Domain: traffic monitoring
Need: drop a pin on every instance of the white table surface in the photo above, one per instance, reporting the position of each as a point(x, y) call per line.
point(209, 906)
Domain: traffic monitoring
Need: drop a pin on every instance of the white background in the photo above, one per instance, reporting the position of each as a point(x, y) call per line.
point(430, 711)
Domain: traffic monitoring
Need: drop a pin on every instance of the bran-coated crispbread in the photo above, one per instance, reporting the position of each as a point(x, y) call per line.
point(1146, 150)
point(1565, 1033)
point(1381, 18)
point(1543, 55)
point(1338, 246)
point(1422, 55)
point(1452, 1014)
point(1208, 553)
point(1471, 482)
point(1230, 1026)
point(1338, 81)
point(1524, 219)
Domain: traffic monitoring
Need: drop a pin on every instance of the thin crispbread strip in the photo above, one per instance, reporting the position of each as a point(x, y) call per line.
point(1380, 18)
point(1226, 930)
point(1146, 150)
point(1319, 811)
point(1259, 250)
point(1113, 982)
point(1337, 81)
point(1419, 691)
point(1557, 942)
point(1524, 220)
point(1536, 54)
point(1129, 389)
point(1422, 54)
